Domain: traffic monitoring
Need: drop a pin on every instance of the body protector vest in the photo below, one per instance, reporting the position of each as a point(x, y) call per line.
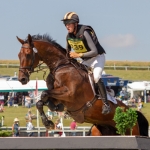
point(78, 42)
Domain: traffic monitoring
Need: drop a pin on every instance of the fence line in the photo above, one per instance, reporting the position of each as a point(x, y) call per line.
point(114, 67)
point(127, 67)
point(81, 131)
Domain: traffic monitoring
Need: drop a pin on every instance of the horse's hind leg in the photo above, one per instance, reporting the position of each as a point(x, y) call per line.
point(102, 130)
point(47, 123)
point(135, 130)
point(94, 131)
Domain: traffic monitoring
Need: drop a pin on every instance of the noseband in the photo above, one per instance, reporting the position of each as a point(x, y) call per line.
point(30, 68)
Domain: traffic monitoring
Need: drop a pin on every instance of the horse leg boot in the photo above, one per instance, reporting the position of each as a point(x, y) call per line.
point(102, 91)
point(47, 123)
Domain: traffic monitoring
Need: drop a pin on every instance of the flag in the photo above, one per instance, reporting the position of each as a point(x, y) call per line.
point(36, 88)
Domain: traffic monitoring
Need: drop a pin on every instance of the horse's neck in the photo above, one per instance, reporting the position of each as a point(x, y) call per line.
point(49, 54)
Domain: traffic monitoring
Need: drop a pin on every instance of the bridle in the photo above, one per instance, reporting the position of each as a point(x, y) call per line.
point(30, 69)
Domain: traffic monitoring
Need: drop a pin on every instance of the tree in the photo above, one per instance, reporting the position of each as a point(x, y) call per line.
point(125, 120)
point(131, 119)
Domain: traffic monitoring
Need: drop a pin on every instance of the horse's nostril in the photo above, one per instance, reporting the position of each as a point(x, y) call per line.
point(23, 80)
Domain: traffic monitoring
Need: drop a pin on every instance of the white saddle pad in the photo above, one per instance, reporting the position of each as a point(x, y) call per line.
point(111, 98)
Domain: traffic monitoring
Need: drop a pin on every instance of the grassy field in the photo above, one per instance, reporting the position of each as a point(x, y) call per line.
point(108, 63)
point(143, 75)
point(20, 112)
point(11, 113)
point(135, 75)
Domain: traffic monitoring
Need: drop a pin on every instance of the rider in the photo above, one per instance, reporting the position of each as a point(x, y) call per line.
point(83, 40)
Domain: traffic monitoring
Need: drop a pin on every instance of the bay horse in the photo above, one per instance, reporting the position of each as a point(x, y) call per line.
point(68, 84)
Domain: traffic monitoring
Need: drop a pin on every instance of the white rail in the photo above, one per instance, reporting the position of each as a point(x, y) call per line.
point(114, 67)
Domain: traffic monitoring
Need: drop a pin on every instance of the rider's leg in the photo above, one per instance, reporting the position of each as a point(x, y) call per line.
point(97, 72)
point(103, 94)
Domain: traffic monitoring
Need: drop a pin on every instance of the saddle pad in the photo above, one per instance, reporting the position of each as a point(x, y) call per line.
point(111, 98)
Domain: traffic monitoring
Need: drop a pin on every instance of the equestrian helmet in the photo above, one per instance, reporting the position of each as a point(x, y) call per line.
point(70, 17)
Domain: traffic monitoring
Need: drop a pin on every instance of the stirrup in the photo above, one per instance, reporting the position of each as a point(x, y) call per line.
point(106, 109)
point(99, 96)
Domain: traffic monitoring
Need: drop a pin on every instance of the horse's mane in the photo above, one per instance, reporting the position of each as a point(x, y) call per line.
point(47, 38)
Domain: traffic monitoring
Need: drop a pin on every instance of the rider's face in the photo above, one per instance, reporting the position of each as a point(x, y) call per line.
point(70, 27)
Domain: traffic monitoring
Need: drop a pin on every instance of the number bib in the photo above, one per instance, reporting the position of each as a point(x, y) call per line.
point(77, 45)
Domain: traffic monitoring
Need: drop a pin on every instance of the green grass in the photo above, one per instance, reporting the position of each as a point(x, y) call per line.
point(108, 63)
point(146, 111)
point(20, 112)
point(140, 75)
point(11, 71)
point(143, 75)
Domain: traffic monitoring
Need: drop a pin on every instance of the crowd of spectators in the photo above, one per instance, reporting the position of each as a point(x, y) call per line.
point(16, 99)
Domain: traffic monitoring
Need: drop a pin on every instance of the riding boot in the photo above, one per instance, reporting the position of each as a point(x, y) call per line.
point(102, 91)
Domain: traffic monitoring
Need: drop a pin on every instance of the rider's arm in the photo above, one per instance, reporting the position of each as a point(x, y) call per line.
point(91, 45)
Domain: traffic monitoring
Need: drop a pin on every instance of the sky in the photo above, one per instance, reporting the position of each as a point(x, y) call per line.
point(122, 26)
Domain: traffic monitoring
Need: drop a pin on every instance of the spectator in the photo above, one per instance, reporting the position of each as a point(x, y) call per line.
point(30, 127)
point(30, 116)
point(8, 101)
point(28, 101)
point(1, 99)
point(139, 106)
point(1, 108)
point(58, 126)
point(139, 99)
point(73, 127)
point(15, 101)
point(50, 114)
point(15, 127)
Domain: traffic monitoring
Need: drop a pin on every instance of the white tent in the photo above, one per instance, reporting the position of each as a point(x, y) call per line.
point(136, 88)
point(16, 86)
point(139, 86)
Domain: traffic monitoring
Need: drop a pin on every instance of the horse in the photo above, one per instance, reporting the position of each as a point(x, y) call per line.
point(68, 84)
point(99, 130)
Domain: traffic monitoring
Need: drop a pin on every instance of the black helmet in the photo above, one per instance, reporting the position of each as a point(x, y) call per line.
point(70, 17)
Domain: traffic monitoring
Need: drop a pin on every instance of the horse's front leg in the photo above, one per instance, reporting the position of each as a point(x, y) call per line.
point(47, 123)
point(50, 102)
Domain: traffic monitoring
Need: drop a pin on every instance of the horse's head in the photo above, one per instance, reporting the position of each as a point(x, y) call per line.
point(29, 59)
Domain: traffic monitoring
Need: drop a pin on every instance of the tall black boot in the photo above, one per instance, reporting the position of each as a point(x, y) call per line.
point(102, 91)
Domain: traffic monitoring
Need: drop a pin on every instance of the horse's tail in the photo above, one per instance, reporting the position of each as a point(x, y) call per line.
point(89, 132)
point(143, 124)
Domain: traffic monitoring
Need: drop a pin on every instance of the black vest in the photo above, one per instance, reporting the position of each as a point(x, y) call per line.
point(79, 43)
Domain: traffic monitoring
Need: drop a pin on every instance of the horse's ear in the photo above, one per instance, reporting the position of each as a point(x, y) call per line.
point(29, 39)
point(20, 40)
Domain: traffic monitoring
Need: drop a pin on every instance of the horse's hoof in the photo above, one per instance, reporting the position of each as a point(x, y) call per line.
point(49, 124)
